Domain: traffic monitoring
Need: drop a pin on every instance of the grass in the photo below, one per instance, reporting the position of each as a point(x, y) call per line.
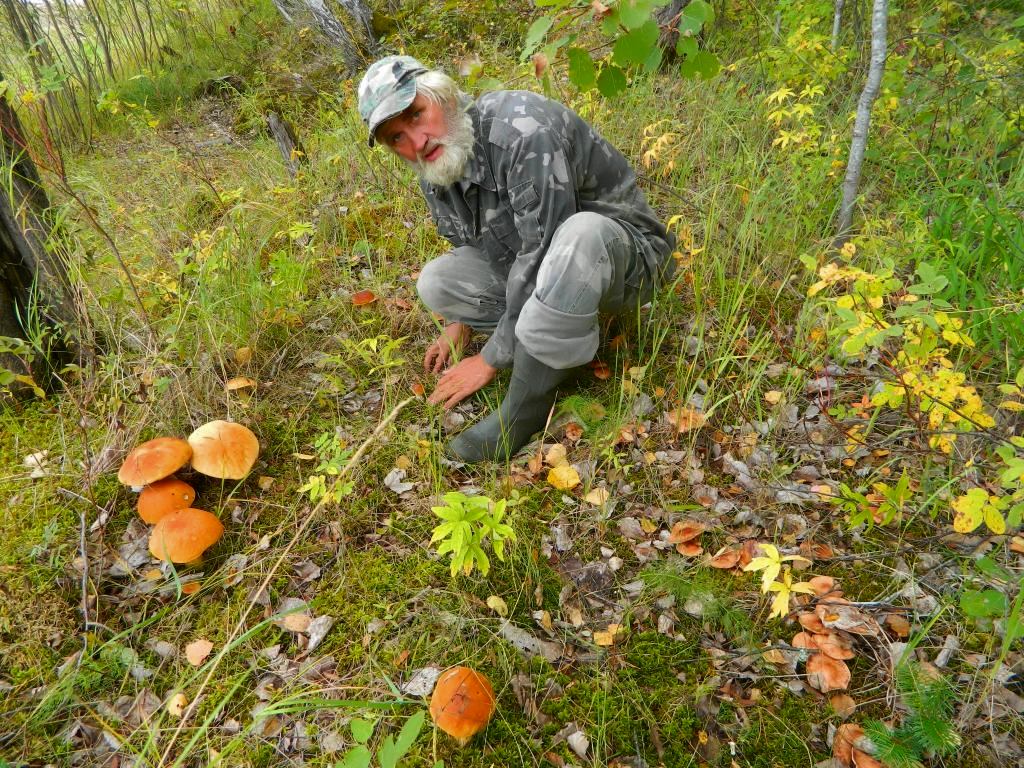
point(230, 253)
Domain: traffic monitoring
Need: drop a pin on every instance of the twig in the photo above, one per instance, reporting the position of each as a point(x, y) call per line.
point(345, 471)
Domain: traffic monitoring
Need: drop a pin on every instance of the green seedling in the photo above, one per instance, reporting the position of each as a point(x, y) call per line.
point(468, 521)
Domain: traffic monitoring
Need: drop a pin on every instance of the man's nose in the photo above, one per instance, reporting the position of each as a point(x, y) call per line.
point(419, 140)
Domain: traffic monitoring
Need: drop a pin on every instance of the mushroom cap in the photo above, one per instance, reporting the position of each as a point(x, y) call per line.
point(154, 460)
point(223, 449)
point(827, 674)
point(462, 703)
point(184, 535)
point(164, 496)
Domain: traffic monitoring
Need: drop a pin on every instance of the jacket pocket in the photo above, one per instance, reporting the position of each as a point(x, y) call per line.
point(450, 228)
point(523, 196)
point(500, 238)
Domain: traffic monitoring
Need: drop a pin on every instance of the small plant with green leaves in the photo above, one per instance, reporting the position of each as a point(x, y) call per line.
point(927, 729)
point(333, 454)
point(21, 349)
point(391, 750)
point(468, 523)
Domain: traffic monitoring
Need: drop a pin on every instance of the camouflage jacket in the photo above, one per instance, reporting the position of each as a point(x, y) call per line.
point(535, 163)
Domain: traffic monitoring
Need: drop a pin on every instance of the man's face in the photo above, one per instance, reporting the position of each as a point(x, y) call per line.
point(434, 141)
point(417, 134)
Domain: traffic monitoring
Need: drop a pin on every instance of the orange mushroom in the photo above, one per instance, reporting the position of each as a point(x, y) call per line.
point(842, 746)
point(154, 460)
point(184, 535)
point(223, 449)
point(827, 674)
point(164, 496)
point(462, 703)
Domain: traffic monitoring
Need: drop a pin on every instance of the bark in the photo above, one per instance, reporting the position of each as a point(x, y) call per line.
point(34, 280)
point(862, 122)
point(292, 151)
point(837, 18)
point(668, 19)
point(353, 35)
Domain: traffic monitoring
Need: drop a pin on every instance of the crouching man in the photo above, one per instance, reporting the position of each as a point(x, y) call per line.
point(548, 229)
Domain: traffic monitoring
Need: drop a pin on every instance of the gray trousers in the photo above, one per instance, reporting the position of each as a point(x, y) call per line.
point(594, 265)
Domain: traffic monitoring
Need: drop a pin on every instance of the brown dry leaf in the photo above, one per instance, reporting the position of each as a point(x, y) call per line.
point(573, 432)
point(239, 382)
point(601, 370)
point(243, 355)
point(843, 704)
point(296, 622)
point(540, 64)
point(774, 656)
point(748, 551)
point(607, 638)
point(842, 746)
point(822, 585)
point(898, 624)
point(685, 418)
point(362, 298)
point(726, 557)
point(827, 674)
point(685, 530)
point(815, 551)
point(197, 651)
point(556, 456)
point(564, 477)
point(265, 483)
point(846, 617)
point(1017, 545)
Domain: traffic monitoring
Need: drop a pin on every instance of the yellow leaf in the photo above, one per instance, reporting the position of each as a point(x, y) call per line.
point(176, 704)
point(197, 651)
point(1012, 405)
point(497, 605)
point(598, 497)
point(774, 397)
point(970, 510)
point(994, 520)
point(556, 456)
point(243, 355)
point(685, 418)
point(605, 639)
point(563, 477)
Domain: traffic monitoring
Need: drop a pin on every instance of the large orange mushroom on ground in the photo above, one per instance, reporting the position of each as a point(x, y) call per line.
point(462, 703)
point(223, 449)
point(164, 496)
point(154, 460)
point(184, 535)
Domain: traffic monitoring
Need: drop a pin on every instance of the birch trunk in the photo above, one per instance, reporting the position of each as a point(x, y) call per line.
point(352, 35)
point(862, 122)
point(836, 20)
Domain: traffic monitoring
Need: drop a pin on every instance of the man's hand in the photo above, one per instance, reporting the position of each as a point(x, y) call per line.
point(463, 380)
point(452, 339)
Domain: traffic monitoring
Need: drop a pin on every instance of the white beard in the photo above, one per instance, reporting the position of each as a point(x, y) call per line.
point(458, 147)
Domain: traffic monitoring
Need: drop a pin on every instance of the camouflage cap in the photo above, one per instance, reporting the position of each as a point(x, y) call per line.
point(387, 88)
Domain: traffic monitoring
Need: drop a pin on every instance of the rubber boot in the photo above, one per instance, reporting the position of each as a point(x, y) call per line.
point(524, 411)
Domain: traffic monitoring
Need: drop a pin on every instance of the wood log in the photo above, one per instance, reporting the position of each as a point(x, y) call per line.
point(288, 143)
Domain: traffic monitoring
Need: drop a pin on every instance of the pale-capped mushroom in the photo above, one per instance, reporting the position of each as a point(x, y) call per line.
point(223, 449)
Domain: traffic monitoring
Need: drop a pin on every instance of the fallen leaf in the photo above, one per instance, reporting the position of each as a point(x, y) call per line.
point(422, 682)
point(773, 397)
point(239, 382)
point(317, 630)
point(607, 638)
point(497, 605)
point(573, 432)
point(843, 704)
point(564, 477)
point(265, 483)
point(1017, 545)
point(898, 624)
point(197, 651)
point(243, 355)
point(296, 622)
point(176, 704)
point(556, 456)
point(685, 418)
point(598, 497)
point(362, 298)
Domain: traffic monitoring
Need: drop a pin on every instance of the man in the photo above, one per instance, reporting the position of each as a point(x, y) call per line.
point(548, 229)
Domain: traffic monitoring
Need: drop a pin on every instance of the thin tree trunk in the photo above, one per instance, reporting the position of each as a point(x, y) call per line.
point(862, 123)
point(349, 40)
point(836, 20)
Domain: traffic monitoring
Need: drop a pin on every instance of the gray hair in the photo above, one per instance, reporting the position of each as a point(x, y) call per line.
point(440, 89)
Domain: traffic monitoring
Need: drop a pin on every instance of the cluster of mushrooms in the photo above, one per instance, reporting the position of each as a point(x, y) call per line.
point(181, 533)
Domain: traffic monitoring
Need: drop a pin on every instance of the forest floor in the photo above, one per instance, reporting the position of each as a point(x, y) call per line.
point(620, 629)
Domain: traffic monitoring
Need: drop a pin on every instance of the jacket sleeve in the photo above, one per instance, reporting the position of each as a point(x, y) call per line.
point(542, 192)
